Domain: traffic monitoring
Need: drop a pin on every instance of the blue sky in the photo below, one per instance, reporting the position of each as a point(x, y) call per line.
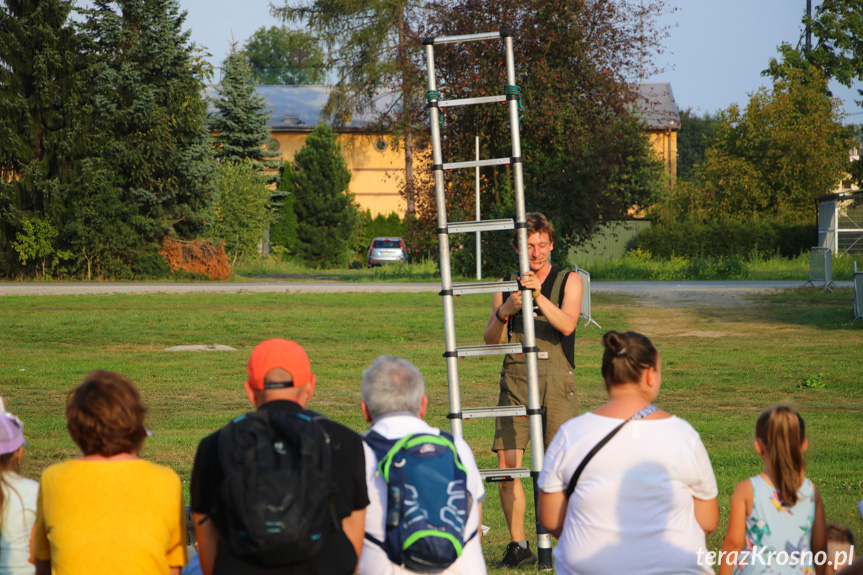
point(714, 55)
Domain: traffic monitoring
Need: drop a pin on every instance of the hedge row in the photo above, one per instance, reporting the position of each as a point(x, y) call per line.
point(727, 238)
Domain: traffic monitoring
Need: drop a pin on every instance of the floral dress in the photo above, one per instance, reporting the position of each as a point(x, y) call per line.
point(778, 535)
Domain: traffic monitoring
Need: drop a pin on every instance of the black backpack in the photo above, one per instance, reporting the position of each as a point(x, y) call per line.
point(278, 493)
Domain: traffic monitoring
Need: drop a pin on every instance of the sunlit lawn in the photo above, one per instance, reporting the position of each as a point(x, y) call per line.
point(722, 366)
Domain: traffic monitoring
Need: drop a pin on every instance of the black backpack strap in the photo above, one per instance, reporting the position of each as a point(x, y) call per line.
point(317, 418)
point(571, 487)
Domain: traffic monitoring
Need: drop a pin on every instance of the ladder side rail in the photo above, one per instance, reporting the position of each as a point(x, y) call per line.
point(443, 250)
point(530, 356)
point(543, 538)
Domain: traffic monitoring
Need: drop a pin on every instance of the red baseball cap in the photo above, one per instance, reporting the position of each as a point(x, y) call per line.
point(273, 353)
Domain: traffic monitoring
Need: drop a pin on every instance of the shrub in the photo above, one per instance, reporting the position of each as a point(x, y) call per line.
point(726, 238)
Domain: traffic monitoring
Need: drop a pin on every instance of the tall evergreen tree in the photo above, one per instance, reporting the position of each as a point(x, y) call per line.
point(325, 208)
point(242, 120)
point(147, 84)
point(39, 119)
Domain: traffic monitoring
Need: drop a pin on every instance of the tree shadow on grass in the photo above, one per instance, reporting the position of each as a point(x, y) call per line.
point(803, 307)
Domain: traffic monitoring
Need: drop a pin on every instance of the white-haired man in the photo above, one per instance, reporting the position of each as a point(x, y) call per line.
point(394, 402)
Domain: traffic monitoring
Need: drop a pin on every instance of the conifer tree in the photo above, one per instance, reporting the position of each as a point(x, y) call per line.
point(242, 121)
point(39, 135)
point(283, 232)
point(325, 208)
point(147, 83)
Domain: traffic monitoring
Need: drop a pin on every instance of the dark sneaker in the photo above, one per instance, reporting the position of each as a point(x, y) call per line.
point(515, 556)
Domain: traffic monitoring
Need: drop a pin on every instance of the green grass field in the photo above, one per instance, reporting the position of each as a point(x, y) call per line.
point(721, 367)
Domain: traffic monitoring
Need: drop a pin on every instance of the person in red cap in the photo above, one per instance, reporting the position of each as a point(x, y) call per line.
point(279, 385)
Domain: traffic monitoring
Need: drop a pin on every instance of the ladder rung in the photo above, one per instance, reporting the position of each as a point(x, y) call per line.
point(477, 163)
point(470, 101)
point(480, 226)
point(463, 38)
point(484, 287)
point(495, 475)
point(499, 411)
point(496, 349)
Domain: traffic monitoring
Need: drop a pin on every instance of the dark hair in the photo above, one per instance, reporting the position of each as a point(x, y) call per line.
point(839, 533)
point(781, 430)
point(536, 223)
point(105, 415)
point(626, 356)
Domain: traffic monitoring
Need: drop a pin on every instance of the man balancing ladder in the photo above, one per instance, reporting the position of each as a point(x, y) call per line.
point(557, 305)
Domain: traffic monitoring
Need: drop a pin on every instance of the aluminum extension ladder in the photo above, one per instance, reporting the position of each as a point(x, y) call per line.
point(449, 290)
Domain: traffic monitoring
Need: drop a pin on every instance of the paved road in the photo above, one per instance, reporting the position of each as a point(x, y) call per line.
point(657, 289)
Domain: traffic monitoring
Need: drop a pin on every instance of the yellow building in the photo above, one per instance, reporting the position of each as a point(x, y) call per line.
point(377, 169)
point(656, 106)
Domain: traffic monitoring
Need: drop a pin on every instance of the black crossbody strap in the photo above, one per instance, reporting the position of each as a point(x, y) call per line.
point(571, 487)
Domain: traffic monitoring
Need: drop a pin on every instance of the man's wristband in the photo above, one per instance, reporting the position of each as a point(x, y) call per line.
point(499, 318)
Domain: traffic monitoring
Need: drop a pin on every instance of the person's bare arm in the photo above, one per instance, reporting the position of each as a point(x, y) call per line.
point(735, 536)
point(707, 514)
point(552, 511)
point(175, 571)
point(208, 541)
point(495, 330)
point(818, 539)
point(564, 318)
point(42, 567)
point(354, 526)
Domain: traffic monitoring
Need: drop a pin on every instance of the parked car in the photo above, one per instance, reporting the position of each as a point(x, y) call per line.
point(387, 251)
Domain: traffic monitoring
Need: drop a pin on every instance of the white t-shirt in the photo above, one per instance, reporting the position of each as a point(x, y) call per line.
point(632, 509)
point(374, 560)
point(19, 514)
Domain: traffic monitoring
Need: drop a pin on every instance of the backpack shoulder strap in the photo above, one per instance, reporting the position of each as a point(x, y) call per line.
point(379, 444)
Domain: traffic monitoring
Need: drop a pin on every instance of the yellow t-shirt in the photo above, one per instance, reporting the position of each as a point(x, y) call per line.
point(110, 517)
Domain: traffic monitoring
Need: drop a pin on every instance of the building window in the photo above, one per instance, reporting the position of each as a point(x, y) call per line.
point(273, 145)
point(380, 145)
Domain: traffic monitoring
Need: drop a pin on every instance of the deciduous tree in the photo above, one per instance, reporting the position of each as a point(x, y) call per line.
point(838, 53)
point(772, 159)
point(693, 139)
point(373, 49)
point(279, 55)
point(241, 212)
point(586, 157)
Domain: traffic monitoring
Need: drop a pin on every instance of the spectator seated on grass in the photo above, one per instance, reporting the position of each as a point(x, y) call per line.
point(17, 499)
point(779, 510)
point(109, 511)
point(646, 499)
point(840, 547)
point(394, 402)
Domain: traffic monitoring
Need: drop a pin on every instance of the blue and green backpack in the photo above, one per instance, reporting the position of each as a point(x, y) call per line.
point(427, 500)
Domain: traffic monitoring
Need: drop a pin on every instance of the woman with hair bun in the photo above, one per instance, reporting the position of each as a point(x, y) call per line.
point(628, 487)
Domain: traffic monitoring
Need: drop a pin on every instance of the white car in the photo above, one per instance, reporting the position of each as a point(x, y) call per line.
point(387, 251)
